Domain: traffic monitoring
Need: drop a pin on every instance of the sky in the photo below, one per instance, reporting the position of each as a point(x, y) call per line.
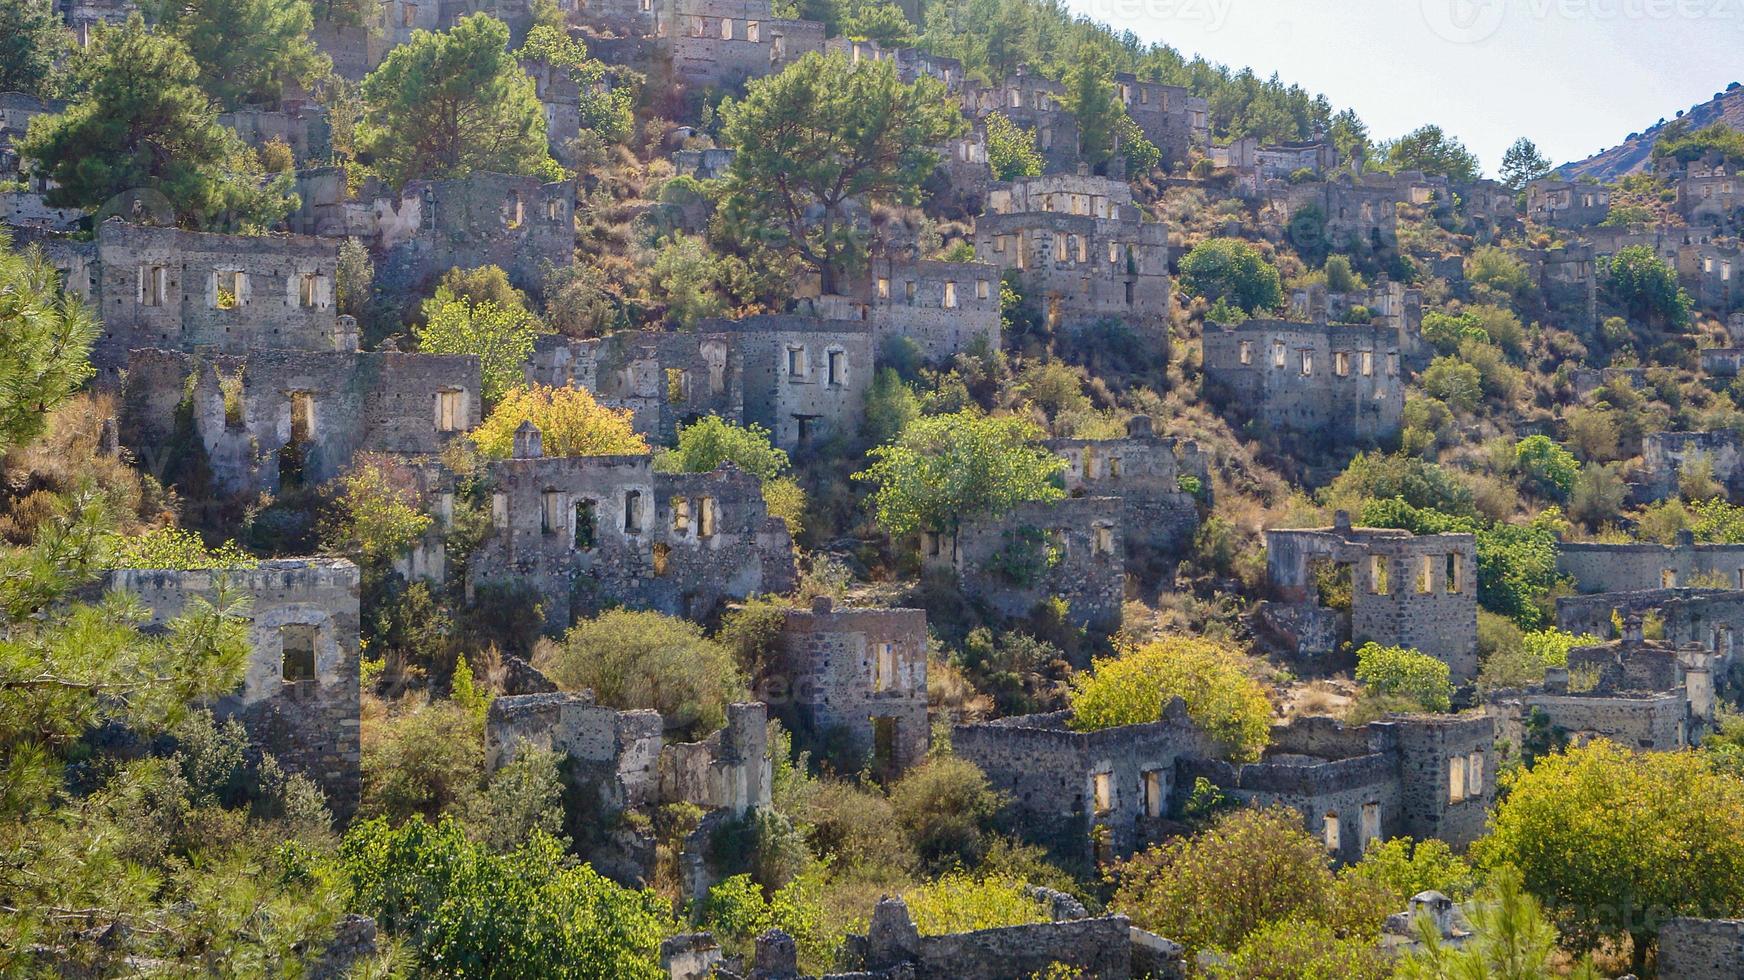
point(1574, 76)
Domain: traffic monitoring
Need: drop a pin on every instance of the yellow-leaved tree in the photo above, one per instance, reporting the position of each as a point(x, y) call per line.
point(569, 421)
point(1134, 687)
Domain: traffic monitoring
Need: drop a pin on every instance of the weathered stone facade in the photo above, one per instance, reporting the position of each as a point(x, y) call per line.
point(1710, 618)
point(860, 671)
point(805, 379)
point(1416, 591)
point(1100, 948)
point(1710, 192)
point(1255, 163)
point(1170, 116)
point(1702, 949)
point(726, 43)
point(183, 290)
point(1597, 567)
point(1081, 249)
point(1034, 103)
point(1342, 382)
point(1664, 455)
point(1419, 776)
point(272, 417)
point(593, 531)
point(664, 378)
point(1086, 796)
point(1713, 272)
point(299, 698)
point(302, 126)
point(1567, 203)
point(1638, 693)
point(943, 307)
point(1072, 550)
point(515, 222)
point(1146, 472)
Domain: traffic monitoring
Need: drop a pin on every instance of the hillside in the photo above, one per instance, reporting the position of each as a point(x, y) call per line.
point(1633, 154)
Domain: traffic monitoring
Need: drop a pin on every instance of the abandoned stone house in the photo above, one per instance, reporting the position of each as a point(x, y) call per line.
point(1255, 163)
point(1339, 381)
point(1390, 304)
point(1710, 618)
point(183, 290)
point(722, 43)
point(1088, 797)
point(1414, 591)
point(1033, 102)
point(1566, 277)
point(805, 378)
point(1347, 213)
point(911, 63)
point(588, 532)
point(1710, 192)
point(1665, 457)
point(1089, 948)
point(1176, 121)
point(16, 111)
point(516, 222)
point(1071, 550)
point(859, 674)
point(271, 419)
point(1416, 776)
point(943, 308)
point(620, 761)
point(300, 125)
point(1640, 693)
point(1713, 272)
point(1567, 203)
point(1160, 481)
point(663, 378)
point(1082, 251)
point(299, 699)
point(1603, 567)
point(560, 99)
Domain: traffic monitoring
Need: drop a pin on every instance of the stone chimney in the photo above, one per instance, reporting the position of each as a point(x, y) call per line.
point(1632, 634)
point(822, 604)
point(346, 338)
point(1556, 680)
point(528, 443)
point(109, 438)
point(1138, 427)
point(1341, 521)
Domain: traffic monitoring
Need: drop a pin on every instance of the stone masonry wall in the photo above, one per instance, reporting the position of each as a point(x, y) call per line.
point(311, 726)
point(855, 669)
point(664, 378)
point(183, 290)
point(1144, 471)
point(1073, 550)
point(1702, 949)
point(326, 406)
point(1338, 382)
point(1637, 567)
point(515, 222)
point(805, 379)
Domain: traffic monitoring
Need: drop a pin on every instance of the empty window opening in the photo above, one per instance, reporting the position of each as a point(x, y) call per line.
point(1474, 775)
point(1425, 575)
point(680, 515)
point(1307, 363)
point(705, 517)
point(632, 512)
point(1102, 539)
point(950, 295)
point(884, 746)
point(309, 290)
point(550, 511)
point(1668, 578)
point(586, 525)
point(884, 667)
point(982, 290)
point(753, 31)
point(1244, 351)
point(1278, 354)
point(677, 386)
point(450, 411)
point(1341, 363)
point(1380, 576)
point(514, 212)
point(726, 29)
point(297, 642)
point(883, 287)
point(1330, 832)
point(837, 363)
point(1456, 780)
point(1114, 467)
point(796, 362)
point(908, 292)
point(1104, 787)
point(1152, 783)
point(661, 552)
point(302, 417)
point(1455, 571)
point(1366, 363)
point(229, 289)
point(1370, 828)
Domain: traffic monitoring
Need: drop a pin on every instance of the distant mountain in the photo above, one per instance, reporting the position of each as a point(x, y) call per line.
point(1633, 154)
